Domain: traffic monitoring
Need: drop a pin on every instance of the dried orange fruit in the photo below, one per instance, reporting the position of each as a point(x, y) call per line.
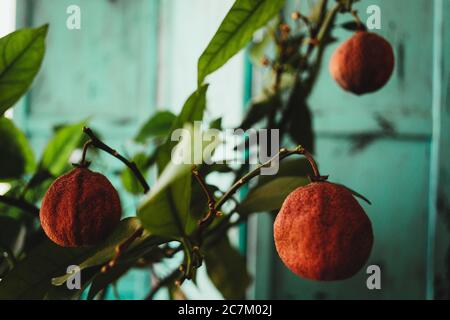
point(322, 233)
point(362, 64)
point(80, 208)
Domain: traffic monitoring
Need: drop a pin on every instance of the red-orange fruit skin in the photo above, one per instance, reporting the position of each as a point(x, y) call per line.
point(81, 208)
point(322, 233)
point(362, 64)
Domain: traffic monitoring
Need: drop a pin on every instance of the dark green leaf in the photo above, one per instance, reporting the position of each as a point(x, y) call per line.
point(165, 210)
point(21, 55)
point(193, 108)
point(271, 195)
point(16, 155)
point(157, 126)
point(257, 111)
point(353, 26)
point(216, 124)
point(227, 270)
point(55, 157)
point(105, 251)
point(32, 277)
point(290, 167)
point(12, 234)
point(300, 127)
point(236, 30)
point(64, 293)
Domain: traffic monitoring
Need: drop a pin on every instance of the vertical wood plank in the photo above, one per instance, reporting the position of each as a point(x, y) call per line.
point(439, 222)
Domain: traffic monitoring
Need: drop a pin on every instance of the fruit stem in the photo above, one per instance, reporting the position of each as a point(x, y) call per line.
point(283, 153)
point(212, 210)
point(83, 162)
point(96, 142)
point(359, 24)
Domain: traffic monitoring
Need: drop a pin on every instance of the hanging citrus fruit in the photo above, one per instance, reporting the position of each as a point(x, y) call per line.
point(362, 64)
point(80, 208)
point(322, 233)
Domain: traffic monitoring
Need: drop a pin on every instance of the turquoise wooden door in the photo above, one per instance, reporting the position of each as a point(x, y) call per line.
point(392, 146)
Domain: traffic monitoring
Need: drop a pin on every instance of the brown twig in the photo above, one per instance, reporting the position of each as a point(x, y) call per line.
point(359, 24)
point(96, 142)
point(212, 212)
point(176, 274)
point(283, 153)
point(120, 249)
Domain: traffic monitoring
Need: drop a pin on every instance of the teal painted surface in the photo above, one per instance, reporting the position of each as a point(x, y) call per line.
point(105, 70)
point(381, 145)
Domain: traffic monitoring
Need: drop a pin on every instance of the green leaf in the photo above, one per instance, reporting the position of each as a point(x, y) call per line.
point(271, 195)
point(236, 30)
point(32, 277)
point(227, 270)
point(353, 26)
point(165, 210)
point(216, 124)
point(17, 157)
point(290, 167)
point(300, 127)
point(56, 155)
point(258, 111)
point(157, 126)
point(193, 108)
point(192, 111)
point(64, 293)
point(21, 55)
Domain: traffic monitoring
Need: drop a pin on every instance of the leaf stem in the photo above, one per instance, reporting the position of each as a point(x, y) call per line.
point(212, 212)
